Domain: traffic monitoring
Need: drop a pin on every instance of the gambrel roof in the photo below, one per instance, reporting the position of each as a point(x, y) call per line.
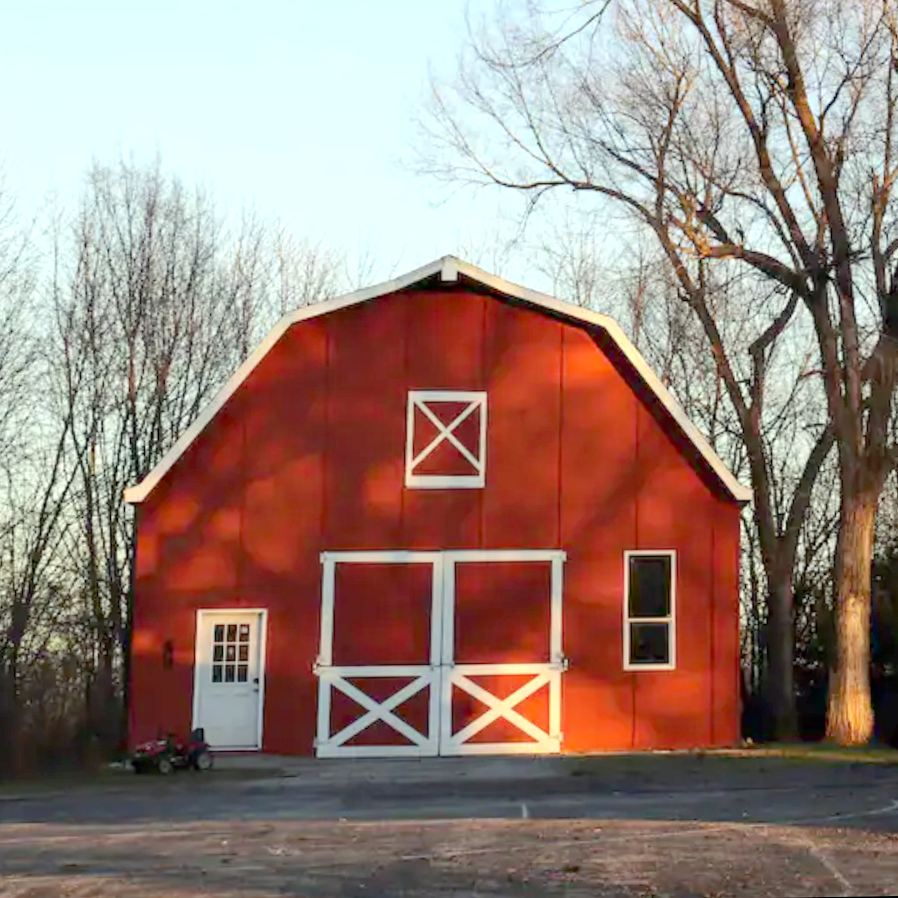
point(449, 269)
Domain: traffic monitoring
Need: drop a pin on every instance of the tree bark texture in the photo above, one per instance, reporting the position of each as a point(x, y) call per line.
point(849, 718)
point(780, 685)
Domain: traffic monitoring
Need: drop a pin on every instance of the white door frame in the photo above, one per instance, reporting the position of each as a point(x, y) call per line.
point(200, 665)
point(441, 674)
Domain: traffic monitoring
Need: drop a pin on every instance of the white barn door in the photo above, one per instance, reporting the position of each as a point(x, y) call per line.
point(229, 673)
point(378, 690)
point(419, 655)
point(501, 655)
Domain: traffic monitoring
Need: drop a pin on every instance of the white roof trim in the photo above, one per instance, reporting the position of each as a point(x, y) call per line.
point(448, 269)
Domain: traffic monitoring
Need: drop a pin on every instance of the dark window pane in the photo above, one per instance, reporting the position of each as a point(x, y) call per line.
point(218, 653)
point(241, 673)
point(232, 653)
point(219, 632)
point(244, 653)
point(216, 673)
point(649, 586)
point(244, 632)
point(229, 673)
point(232, 632)
point(649, 644)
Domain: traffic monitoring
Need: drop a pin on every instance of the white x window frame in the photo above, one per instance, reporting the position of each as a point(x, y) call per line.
point(473, 401)
point(541, 742)
point(377, 710)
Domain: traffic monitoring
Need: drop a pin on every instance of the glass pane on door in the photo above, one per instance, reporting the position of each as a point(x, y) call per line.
point(230, 652)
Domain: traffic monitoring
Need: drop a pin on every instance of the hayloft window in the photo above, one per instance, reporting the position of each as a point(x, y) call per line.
point(649, 620)
point(446, 439)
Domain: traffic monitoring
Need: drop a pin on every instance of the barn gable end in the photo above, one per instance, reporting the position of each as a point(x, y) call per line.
point(291, 496)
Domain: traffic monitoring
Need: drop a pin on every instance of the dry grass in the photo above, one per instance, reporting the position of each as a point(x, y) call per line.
point(735, 766)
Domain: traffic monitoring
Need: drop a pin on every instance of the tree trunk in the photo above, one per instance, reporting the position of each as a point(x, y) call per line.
point(779, 688)
point(7, 722)
point(12, 748)
point(849, 718)
point(106, 714)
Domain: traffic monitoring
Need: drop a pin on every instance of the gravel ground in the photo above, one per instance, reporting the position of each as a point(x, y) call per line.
point(660, 829)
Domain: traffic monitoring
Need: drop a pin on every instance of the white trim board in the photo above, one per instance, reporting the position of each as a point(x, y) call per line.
point(448, 269)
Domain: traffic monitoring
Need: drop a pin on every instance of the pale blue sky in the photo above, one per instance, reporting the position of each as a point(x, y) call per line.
point(301, 108)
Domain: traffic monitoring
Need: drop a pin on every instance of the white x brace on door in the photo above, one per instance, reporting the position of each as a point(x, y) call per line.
point(444, 678)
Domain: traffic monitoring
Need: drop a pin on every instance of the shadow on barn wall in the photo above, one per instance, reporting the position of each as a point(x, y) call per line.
point(307, 456)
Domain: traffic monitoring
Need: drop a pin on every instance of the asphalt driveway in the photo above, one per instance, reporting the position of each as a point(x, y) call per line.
point(639, 825)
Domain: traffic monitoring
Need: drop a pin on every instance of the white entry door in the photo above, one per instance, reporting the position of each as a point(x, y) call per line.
point(452, 653)
point(229, 674)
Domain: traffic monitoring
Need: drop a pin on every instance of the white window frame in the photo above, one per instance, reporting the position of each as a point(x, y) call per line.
point(477, 400)
point(670, 619)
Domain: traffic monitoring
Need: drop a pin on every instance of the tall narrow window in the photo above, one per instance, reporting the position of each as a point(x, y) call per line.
point(445, 439)
point(649, 615)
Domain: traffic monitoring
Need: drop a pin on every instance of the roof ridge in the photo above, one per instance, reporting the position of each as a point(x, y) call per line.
point(449, 269)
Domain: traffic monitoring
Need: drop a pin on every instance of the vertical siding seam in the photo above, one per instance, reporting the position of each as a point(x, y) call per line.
point(637, 448)
point(490, 444)
point(736, 683)
point(560, 431)
point(325, 442)
point(559, 543)
point(481, 497)
point(713, 619)
point(240, 572)
point(406, 381)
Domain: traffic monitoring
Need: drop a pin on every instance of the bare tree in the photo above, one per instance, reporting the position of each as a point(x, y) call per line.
point(18, 349)
point(147, 300)
point(755, 139)
point(32, 480)
point(640, 290)
point(157, 300)
point(32, 610)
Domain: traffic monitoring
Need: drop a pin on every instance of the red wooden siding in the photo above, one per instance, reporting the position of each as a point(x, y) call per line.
point(502, 612)
point(393, 600)
point(309, 456)
point(442, 337)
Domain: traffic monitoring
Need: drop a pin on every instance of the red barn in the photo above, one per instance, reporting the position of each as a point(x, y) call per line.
point(441, 516)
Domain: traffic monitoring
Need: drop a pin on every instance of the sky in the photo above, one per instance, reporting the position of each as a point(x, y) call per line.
point(301, 109)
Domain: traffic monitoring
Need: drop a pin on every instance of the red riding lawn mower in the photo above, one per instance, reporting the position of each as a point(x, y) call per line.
point(166, 754)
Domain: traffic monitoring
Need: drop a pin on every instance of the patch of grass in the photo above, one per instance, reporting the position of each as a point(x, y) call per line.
point(118, 779)
point(58, 781)
point(817, 751)
point(785, 759)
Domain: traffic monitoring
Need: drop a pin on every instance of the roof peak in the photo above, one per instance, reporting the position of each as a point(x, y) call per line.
point(449, 269)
